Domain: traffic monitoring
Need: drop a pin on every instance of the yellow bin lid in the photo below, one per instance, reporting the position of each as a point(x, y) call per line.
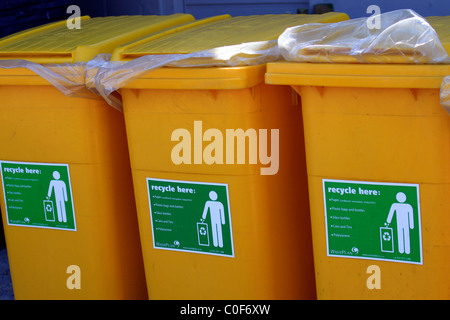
point(56, 43)
point(219, 31)
point(442, 27)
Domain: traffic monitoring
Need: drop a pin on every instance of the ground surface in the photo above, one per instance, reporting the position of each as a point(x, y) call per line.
point(6, 290)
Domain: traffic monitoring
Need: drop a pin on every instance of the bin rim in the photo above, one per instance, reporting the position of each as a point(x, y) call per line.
point(357, 75)
point(25, 76)
point(197, 78)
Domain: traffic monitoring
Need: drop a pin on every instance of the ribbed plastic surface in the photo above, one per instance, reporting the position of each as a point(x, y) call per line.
point(220, 31)
point(442, 27)
point(55, 43)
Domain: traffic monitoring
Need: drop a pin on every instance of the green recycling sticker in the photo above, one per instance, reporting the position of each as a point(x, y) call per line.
point(190, 216)
point(38, 195)
point(373, 220)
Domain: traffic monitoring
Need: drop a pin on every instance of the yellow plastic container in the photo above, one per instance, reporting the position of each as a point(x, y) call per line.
point(377, 151)
point(188, 168)
point(72, 234)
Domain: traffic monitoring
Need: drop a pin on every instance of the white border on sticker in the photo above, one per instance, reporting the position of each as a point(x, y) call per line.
point(192, 182)
point(43, 164)
point(374, 183)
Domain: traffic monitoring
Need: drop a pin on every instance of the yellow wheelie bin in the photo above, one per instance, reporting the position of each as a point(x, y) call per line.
point(67, 196)
point(377, 152)
point(218, 168)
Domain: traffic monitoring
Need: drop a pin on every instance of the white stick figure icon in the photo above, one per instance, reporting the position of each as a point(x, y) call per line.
point(59, 187)
point(217, 215)
point(405, 221)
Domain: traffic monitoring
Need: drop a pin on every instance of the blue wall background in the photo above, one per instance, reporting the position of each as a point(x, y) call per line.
point(206, 8)
point(16, 15)
point(357, 8)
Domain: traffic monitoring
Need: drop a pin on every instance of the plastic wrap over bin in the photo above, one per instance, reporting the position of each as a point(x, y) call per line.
point(402, 36)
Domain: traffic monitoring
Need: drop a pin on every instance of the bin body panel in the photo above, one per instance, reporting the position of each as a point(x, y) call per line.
point(386, 143)
point(41, 125)
point(381, 135)
point(269, 213)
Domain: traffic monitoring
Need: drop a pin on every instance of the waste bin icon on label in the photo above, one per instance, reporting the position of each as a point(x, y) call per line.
point(387, 239)
point(203, 234)
point(49, 210)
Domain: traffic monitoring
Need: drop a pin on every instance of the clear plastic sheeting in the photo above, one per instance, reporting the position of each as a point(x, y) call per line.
point(400, 36)
point(106, 76)
point(69, 78)
point(445, 94)
point(100, 76)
